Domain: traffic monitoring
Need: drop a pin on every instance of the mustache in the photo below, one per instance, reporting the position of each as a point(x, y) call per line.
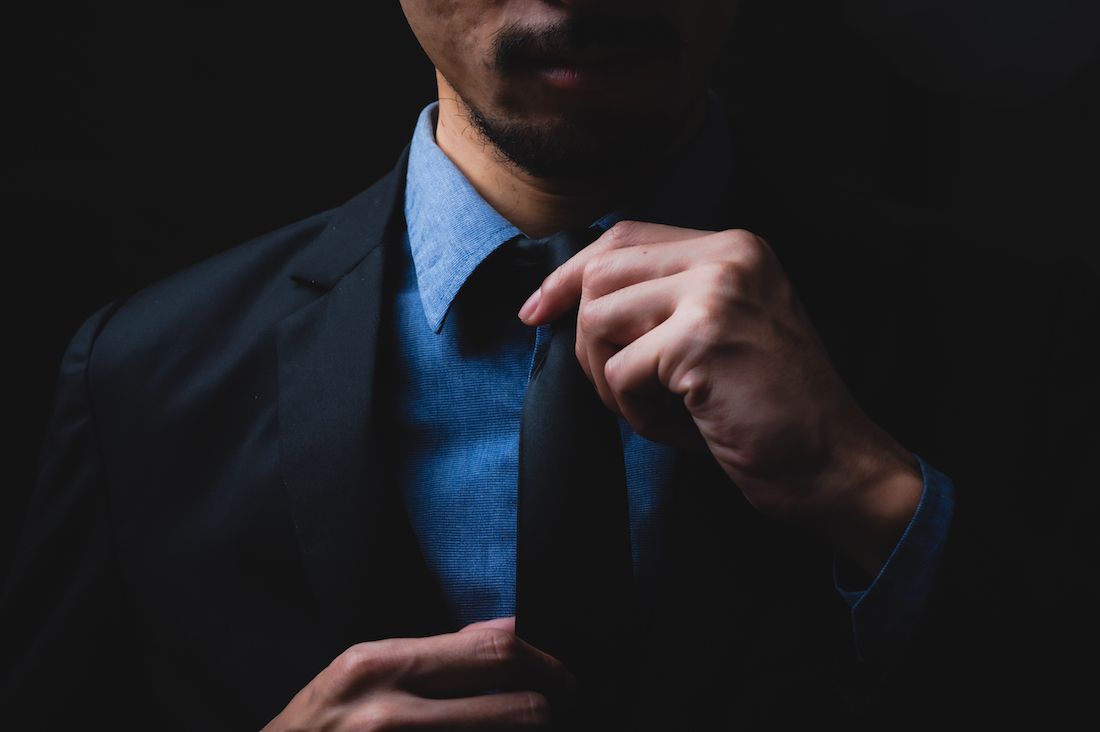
point(518, 46)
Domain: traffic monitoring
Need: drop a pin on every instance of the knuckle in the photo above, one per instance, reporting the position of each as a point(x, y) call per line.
point(598, 269)
point(588, 319)
point(498, 646)
point(348, 664)
point(379, 716)
point(743, 237)
point(614, 373)
point(623, 233)
point(362, 662)
point(696, 386)
point(747, 246)
point(531, 708)
point(706, 321)
point(724, 276)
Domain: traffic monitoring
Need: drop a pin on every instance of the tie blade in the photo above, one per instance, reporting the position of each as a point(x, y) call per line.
point(575, 596)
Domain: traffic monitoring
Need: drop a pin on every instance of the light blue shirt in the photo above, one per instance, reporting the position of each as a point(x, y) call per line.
point(461, 383)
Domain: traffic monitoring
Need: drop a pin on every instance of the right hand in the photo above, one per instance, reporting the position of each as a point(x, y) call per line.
point(439, 682)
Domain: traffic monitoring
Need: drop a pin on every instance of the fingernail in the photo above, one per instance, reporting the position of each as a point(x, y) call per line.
point(530, 306)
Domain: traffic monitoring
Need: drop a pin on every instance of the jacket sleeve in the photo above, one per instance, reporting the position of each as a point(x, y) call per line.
point(67, 649)
point(1010, 622)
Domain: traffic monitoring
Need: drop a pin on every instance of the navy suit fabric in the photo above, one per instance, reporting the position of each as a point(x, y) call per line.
point(215, 520)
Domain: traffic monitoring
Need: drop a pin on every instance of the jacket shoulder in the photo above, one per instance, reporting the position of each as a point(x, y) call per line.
point(225, 303)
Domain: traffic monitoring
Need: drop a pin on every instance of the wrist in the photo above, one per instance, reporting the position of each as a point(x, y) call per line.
point(876, 500)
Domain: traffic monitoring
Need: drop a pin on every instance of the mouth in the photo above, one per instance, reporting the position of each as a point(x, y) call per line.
point(589, 56)
point(591, 69)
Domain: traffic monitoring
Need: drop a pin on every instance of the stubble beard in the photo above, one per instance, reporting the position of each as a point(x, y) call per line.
point(591, 146)
point(581, 144)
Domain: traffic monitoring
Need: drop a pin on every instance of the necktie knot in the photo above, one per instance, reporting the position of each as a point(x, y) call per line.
point(547, 254)
point(516, 268)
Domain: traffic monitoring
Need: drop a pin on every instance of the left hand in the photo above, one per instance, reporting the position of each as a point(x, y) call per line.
point(435, 682)
point(711, 318)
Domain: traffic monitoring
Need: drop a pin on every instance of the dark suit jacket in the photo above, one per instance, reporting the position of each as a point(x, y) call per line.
point(214, 521)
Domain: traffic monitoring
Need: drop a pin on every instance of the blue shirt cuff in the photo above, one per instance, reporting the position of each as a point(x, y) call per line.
point(886, 612)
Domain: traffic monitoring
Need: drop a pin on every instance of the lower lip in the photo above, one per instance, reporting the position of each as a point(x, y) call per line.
point(591, 77)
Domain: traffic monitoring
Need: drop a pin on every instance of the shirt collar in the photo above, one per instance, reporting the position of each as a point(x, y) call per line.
point(451, 229)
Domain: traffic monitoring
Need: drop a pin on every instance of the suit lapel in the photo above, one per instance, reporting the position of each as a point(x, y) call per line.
point(364, 566)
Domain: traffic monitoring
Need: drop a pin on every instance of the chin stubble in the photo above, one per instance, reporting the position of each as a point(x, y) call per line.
point(585, 144)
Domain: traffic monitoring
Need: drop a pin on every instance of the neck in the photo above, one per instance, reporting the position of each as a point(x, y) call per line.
point(540, 206)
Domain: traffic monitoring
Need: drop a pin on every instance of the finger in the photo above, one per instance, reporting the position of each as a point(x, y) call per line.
point(625, 293)
point(474, 661)
point(562, 289)
point(607, 324)
point(639, 377)
point(512, 710)
point(508, 624)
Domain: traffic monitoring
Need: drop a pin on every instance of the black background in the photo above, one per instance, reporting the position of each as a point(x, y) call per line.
point(142, 140)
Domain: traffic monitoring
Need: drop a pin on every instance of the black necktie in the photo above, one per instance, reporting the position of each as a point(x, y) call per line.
point(574, 582)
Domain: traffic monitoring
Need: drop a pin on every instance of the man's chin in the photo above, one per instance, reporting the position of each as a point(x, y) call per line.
point(574, 149)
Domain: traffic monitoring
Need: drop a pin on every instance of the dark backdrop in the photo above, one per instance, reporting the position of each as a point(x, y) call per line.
point(148, 139)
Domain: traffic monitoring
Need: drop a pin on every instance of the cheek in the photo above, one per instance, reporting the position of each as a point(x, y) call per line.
point(461, 48)
point(457, 40)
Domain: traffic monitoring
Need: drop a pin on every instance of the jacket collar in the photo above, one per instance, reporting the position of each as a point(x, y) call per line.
point(353, 232)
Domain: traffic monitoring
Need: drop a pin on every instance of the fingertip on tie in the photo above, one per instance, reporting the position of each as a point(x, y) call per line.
point(530, 306)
